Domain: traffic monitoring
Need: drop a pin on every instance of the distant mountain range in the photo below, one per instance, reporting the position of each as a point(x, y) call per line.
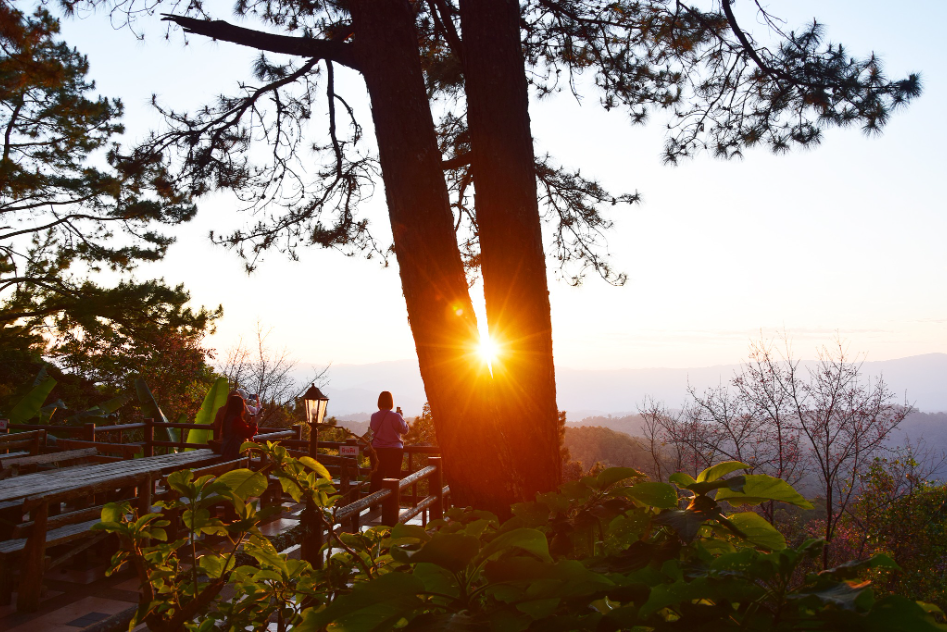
point(353, 389)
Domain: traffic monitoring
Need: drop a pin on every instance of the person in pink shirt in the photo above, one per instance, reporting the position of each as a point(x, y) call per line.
point(387, 427)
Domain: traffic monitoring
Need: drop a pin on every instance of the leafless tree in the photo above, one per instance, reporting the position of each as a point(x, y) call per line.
point(258, 368)
point(827, 420)
point(676, 442)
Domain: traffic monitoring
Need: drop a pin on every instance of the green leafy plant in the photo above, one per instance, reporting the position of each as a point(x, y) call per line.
point(604, 553)
point(30, 406)
point(214, 400)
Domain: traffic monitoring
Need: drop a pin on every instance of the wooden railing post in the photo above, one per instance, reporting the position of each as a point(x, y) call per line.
point(313, 440)
point(149, 448)
point(90, 431)
point(299, 432)
point(314, 538)
point(391, 506)
point(435, 485)
point(345, 478)
point(33, 562)
point(145, 491)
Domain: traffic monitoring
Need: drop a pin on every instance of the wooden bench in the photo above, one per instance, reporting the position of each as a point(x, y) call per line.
point(22, 443)
point(42, 494)
point(15, 466)
point(43, 531)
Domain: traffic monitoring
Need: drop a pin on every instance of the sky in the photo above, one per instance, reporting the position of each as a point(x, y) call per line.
point(845, 240)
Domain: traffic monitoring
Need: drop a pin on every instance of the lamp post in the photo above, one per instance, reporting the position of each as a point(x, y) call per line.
point(315, 403)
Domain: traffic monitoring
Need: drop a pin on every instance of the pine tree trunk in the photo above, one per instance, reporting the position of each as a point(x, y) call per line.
point(512, 259)
point(442, 320)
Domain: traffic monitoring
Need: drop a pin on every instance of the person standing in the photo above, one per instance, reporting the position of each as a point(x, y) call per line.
point(236, 427)
point(387, 427)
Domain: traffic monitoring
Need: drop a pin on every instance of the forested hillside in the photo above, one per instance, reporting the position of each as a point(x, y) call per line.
point(595, 444)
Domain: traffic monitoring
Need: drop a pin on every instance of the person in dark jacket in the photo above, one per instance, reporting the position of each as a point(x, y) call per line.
point(387, 428)
point(236, 427)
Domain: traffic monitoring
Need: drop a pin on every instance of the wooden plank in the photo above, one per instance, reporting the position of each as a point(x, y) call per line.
point(55, 522)
point(360, 505)
point(407, 514)
point(86, 489)
point(54, 537)
point(178, 444)
point(417, 476)
point(6, 439)
point(47, 482)
point(50, 457)
point(127, 450)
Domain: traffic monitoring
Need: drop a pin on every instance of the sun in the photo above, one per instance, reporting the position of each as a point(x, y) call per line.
point(488, 350)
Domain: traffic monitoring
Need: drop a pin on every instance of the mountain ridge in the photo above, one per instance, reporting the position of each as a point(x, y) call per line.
point(353, 388)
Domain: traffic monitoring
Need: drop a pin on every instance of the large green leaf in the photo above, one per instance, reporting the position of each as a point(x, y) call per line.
point(854, 568)
point(452, 551)
point(530, 540)
point(214, 400)
point(734, 483)
point(720, 470)
point(150, 409)
point(684, 521)
point(101, 410)
point(758, 531)
point(760, 488)
point(613, 475)
point(244, 483)
point(316, 467)
point(31, 404)
point(681, 479)
point(660, 495)
point(369, 604)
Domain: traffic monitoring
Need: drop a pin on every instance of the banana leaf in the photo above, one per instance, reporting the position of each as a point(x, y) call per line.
point(150, 408)
point(102, 410)
point(47, 411)
point(31, 404)
point(214, 400)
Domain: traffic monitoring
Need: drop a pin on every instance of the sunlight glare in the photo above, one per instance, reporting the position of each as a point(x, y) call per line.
point(488, 350)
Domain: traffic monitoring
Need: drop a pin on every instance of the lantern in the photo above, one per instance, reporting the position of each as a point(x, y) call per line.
point(315, 403)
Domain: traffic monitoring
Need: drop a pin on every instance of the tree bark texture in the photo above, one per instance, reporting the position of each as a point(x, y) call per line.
point(432, 275)
point(513, 263)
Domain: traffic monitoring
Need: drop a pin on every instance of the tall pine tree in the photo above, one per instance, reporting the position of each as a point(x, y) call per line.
point(462, 187)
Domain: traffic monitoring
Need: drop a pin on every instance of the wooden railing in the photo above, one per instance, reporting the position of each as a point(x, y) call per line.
point(313, 529)
point(390, 498)
point(91, 434)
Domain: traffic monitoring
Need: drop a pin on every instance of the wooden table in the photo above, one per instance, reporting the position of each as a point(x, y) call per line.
point(43, 483)
point(40, 495)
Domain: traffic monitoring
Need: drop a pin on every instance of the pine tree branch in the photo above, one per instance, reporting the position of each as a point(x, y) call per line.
point(456, 162)
point(313, 48)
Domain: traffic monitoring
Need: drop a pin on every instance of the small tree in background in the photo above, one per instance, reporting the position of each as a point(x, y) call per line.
point(828, 421)
point(260, 369)
point(421, 430)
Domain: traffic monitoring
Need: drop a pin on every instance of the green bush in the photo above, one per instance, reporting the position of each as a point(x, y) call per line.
point(609, 552)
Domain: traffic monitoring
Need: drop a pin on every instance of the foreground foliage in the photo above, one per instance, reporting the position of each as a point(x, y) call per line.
point(609, 552)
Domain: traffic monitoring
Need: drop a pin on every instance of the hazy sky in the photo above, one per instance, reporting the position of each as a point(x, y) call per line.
point(848, 237)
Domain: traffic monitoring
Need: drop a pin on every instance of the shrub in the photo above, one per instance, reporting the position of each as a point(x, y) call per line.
point(609, 552)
